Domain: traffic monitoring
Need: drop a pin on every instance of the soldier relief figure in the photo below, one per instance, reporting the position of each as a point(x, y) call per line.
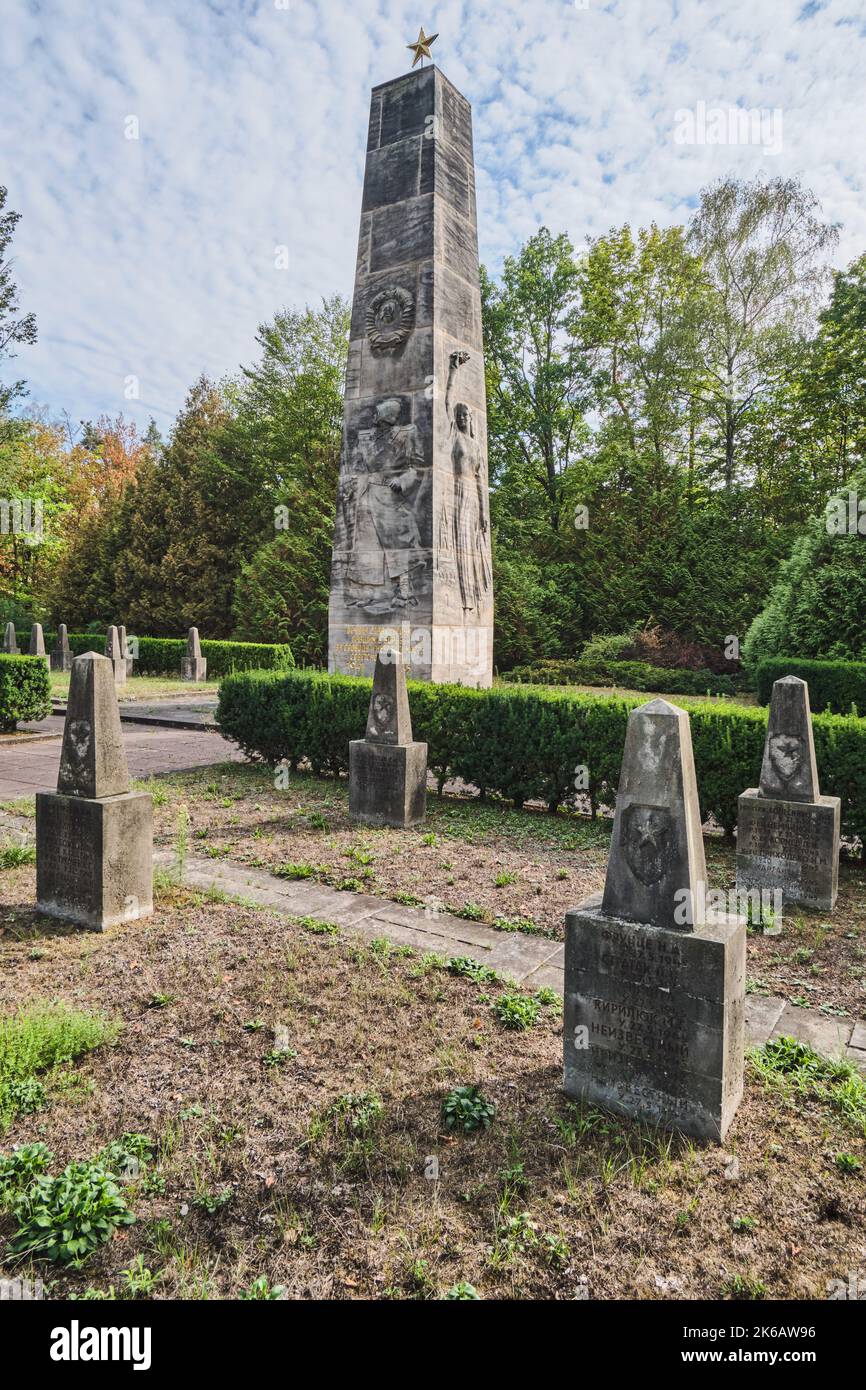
point(379, 503)
point(463, 530)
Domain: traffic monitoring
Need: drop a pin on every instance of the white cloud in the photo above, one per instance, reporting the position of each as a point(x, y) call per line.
point(155, 257)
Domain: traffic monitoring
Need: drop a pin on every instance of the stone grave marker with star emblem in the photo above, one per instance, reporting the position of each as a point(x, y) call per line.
point(94, 837)
point(787, 832)
point(655, 979)
point(387, 768)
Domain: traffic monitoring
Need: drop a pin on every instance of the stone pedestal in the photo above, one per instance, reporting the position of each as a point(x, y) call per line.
point(654, 983)
point(61, 655)
point(411, 556)
point(789, 845)
point(193, 666)
point(115, 654)
point(387, 768)
point(787, 832)
point(387, 783)
point(94, 837)
point(653, 1020)
point(95, 858)
point(10, 641)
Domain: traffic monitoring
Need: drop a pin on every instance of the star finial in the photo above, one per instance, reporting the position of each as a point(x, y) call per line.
point(421, 49)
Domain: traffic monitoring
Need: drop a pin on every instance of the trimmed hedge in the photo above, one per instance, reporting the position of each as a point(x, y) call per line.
point(526, 742)
point(25, 690)
point(833, 685)
point(161, 656)
point(631, 675)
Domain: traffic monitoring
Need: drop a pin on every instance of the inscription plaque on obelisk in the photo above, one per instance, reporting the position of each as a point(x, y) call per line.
point(411, 559)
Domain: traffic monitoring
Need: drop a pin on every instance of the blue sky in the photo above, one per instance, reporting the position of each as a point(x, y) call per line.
point(154, 257)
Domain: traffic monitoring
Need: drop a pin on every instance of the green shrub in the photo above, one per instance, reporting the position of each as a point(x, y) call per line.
point(161, 656)
point(524, 742)
point(629, 675)
point(25, 690)
point(838, 686)
point(816, 604)
point(606, 647)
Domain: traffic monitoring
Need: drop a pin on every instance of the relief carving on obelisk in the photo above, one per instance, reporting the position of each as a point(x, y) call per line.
point(464, 523)
point(382, 495)
point(390, 318)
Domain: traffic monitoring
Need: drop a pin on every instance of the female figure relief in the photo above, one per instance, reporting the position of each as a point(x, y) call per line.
point(467, 530)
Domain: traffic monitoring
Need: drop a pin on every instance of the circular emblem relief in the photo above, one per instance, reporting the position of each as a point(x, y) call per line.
point(390, 316)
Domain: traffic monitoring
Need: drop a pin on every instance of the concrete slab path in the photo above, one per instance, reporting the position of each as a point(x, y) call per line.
point(532, 961)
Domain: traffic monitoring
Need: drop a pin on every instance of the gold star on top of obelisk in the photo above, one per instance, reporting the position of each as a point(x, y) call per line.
point(421, 49)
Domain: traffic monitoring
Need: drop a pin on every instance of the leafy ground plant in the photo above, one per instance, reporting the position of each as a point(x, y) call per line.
point(65, 1218)
point(470, 968)
point(127, 1156)
point(516, 1011)
point(466, 1109)
point(20, 1169)
point(357, 1114)
point(261, 1290)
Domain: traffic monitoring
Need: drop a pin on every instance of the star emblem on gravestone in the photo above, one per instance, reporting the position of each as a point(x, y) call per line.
point(646, 832)
point(786, 755)
point(383, 707)
point(421, 48)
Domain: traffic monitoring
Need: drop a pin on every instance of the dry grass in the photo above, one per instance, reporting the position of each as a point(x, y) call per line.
point(551, 1199)
point(523, 868)
point(143, 687)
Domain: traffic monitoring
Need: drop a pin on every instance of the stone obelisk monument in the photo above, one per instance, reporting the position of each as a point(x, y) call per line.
point(654, 977)
point(411, 560)
point(94, 837)
point(787, 832)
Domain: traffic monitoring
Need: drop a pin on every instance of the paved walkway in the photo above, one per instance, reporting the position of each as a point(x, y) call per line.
point(31, 767)
point(532, 961)
point(191, 712)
